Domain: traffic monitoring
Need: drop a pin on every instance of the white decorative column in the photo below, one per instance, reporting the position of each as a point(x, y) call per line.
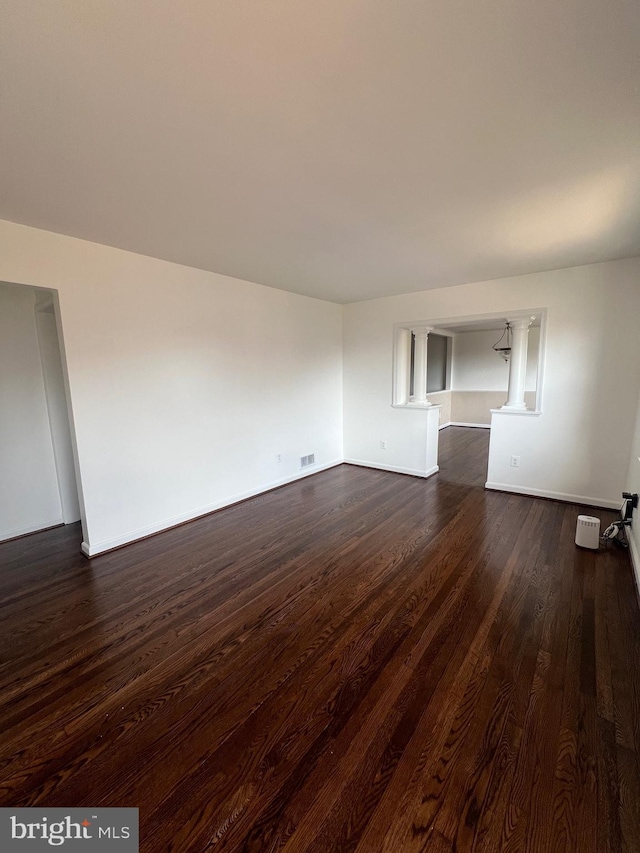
point(420, 366)
point(518, 363)
point(402, 361)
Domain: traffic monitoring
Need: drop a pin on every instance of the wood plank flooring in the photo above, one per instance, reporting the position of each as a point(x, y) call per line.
point(360, 661)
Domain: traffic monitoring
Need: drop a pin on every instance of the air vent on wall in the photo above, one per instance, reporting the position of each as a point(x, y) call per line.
point(307, 460)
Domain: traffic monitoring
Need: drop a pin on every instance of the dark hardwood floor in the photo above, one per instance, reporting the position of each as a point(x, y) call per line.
point(359, 661)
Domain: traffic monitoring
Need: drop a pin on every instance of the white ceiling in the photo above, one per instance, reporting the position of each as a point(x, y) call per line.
point(344, 149)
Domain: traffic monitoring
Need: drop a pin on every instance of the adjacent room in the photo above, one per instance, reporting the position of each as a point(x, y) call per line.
point(320, 426)
point(470, 374)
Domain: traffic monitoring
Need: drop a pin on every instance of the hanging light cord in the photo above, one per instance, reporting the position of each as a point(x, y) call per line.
point(506, 332)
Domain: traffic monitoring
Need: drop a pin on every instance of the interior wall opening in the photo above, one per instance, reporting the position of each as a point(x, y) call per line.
point(37, 443)
point(470, 367)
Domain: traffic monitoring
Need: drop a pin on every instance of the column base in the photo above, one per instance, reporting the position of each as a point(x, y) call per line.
point(517, 407)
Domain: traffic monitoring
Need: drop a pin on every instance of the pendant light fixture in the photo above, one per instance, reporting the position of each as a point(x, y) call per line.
point(503, 346)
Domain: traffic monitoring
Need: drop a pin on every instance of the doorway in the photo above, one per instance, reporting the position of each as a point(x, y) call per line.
point(481, 374)
point(37, 461)
point(463, 455)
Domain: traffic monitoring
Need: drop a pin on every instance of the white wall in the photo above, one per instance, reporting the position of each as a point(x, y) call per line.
point(184, 384)
point(579, 446)
point(29, 496)
point(476, 367)
point(633, 485)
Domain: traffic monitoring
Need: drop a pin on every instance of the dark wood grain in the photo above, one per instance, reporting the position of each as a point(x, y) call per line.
point(360, 661)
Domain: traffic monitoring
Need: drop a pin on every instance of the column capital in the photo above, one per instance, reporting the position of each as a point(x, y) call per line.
point(519, 322)
point(423, 331)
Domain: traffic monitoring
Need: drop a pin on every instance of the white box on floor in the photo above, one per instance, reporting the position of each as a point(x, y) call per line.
point(588, 532)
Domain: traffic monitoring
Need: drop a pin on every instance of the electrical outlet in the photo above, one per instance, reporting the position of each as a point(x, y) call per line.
point(383, 445)
point(278, 457)
point(515, 462)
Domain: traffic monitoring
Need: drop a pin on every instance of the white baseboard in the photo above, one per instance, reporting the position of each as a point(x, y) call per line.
point(395, 469)
point(556, 496)
point(31, 528)
point(91, 550)
point(442, 426)
point(475, 426)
